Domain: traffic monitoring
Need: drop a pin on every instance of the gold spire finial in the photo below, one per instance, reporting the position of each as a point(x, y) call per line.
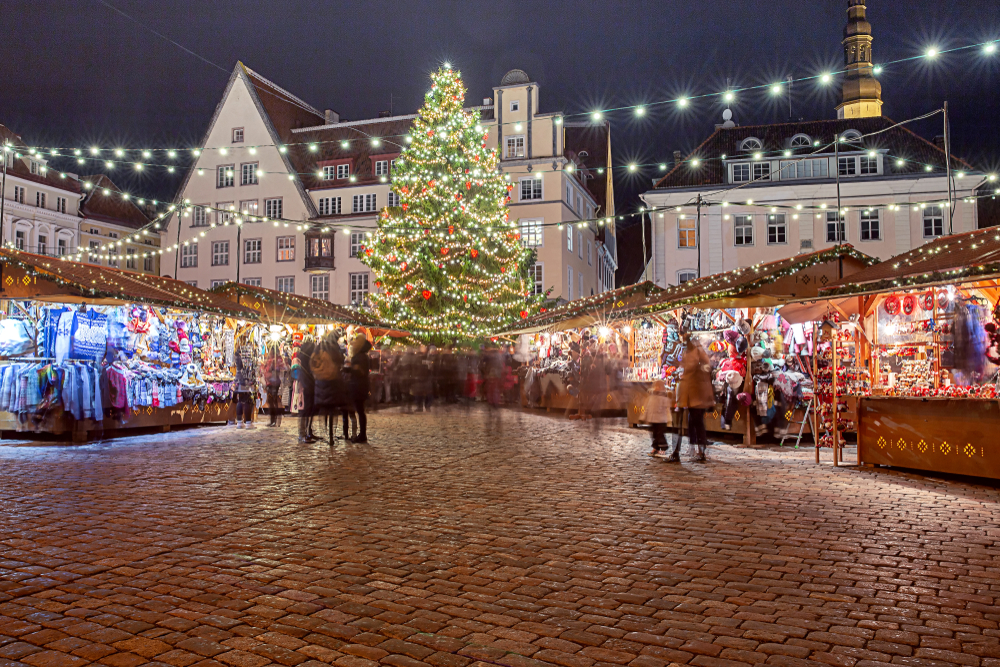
point(862, 93)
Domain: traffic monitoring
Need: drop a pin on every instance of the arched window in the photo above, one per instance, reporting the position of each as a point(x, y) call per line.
point(851, 136)
point(801, 141)
point(751, 144)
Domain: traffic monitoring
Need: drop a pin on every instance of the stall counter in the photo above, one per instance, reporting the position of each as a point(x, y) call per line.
point(937, 434)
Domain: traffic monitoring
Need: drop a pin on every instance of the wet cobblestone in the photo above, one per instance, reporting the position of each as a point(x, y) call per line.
point(452, 539)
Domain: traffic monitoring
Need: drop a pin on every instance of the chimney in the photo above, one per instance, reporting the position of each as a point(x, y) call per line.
point(487, 101)
point(677, 157)
point(331, 116)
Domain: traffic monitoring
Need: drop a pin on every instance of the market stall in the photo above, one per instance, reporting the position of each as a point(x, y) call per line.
point(556, 341)
point(930, 322)
point(85, 349)
point(762, 363)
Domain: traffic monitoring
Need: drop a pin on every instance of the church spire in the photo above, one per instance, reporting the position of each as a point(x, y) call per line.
point(862, 93)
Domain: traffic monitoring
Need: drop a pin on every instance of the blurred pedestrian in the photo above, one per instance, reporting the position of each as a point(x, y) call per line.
point(360, 367)
point(326, 364)
point(696, 394)
point(274, 370)
point(306, 351)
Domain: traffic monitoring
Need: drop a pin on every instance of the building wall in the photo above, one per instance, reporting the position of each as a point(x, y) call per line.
point(34, 221)
point(101, 232)
point(901, 230)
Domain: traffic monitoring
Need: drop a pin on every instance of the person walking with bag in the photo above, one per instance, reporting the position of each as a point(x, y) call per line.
point(695, 393)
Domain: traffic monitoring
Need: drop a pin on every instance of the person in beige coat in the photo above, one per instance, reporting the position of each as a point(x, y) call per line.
point(658, 415)
point(696, 394)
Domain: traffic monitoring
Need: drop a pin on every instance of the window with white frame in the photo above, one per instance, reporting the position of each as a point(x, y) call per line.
point(329, 172)
point(199, 217)
point(192, 283)
point(272, 208)
point(359, 289)
point(515, 147)
point(42, 244)
point(777, 229)
point(363, 203)
point(569, 238)
point(381, 167)
point(61, 204)
point(743, 229)
point(569, 283)
point(225, 178)
point(319, 246)
point(579, 205)
point(249, 207)
point(848, 166)
point(248, 173)
point(751, 144)
point(536, 275)
point(933, 222)
point(34, 166)
point(252, 251)
point(40, 199)
point(224, 213)
point(687, 235)
point(189, 255)
point(218, 283)
point(357, 243)
point(836, 227)
point(130, 262)
point(343, 171)
point(868, 164)
point(590, 253)
point(686, 275)
point(220, 253)
point(237, 135)
point(329, 206)
point(18, 194)
point(147, 263)
point(285, 284)
point(393, 199)
point(579, 244)
point(569, 194)
point(761, 171)
point(531, 188)
point(515, 105)
point(871, 225)
point(94, 246)
point(801, 141)
point(286, 248)
point(253, 282)
point(61, 247)
point(851, 136)
point(793, 169)
point(319, 286)
point(741, 172)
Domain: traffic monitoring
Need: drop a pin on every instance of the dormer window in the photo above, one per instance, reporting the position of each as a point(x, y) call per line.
point(515, 105)
point(851, 136)
point(801, 141)
point(751, 144)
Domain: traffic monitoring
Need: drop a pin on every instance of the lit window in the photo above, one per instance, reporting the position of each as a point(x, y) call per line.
point(286, 248)
point(537, 282)
point(531, 233)
point(249, 207)
point(686, 233)
point(515, 147)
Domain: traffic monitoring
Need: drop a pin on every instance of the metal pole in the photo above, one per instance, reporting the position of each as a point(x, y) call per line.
point(3, 193)
point(789, 98)
point(697, 235)
point(947, 161)
point(239, 251)
point(836, 166)
point(177, 251)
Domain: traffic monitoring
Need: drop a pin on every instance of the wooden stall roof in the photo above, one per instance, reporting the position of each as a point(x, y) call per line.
point(585, 312)
point(43, 278)
point(286, 308)
point(968, 257)
point(788, 280)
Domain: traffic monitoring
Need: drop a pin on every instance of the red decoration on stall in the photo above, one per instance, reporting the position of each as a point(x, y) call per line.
point(927, 301)
point(891, 305)
point(909, 304)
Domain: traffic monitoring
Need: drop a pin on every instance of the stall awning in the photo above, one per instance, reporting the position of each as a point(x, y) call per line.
point(285, 308)
point(585, 312)
point(812, 311)
point(969, 257)
point(57, 280)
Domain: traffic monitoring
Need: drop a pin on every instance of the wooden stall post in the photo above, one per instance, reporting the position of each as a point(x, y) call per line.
point(833, 391)
point(816, 402)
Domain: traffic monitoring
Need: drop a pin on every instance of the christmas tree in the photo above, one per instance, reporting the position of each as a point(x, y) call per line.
point(448, 262)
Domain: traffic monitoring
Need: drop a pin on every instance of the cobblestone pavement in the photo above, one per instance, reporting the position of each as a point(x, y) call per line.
point(452, 540)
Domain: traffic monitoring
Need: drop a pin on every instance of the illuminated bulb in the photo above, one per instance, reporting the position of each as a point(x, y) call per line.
point(517, 127)
point(663, 167)
point(222, 151)
point(729, 96)
point(376, 142)
point(632, 167)
point(538, 175)
point(640, 111)
point(990, 48)
point(960, 174)
point(776, 89)
point(826, 78)
point(109, 165)
point(253, 151)
point(312, 148)
point(757, 156)
point(871, 153)
point(928, 168)
point(408, 139)
point(138, 166)
point(147, 154)
point(695, 163)
point(171, 154)
point(682, 102)
point(932, 52)
point(95, 150)
point(119, 152)
point(788, 153)
point(991, 177)
point(196, 151)
point(80, 160)
point(877, 70)
point(596, 116)
point(749, 202)
point(900, 163)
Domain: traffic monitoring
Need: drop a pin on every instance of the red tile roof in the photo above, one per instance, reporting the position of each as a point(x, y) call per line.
point(899, 141)
point(52, 177)
point(286, 111)
point(111, 208)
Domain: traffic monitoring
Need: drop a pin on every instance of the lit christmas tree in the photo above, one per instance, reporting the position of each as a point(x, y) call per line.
point(448, 262)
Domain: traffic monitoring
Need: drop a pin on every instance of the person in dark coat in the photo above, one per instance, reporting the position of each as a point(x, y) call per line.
point(360, 368)
point(326, 364)
point(308, 391)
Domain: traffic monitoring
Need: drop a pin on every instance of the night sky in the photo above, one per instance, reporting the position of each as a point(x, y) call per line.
point(77, 73)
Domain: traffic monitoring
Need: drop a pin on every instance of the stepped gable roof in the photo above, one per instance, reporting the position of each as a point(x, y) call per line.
point(589, 144)
point(900, 142)
point(972, 255)
point(115, 210)
point(286, 111)
point(328, 138)
point(21, 170)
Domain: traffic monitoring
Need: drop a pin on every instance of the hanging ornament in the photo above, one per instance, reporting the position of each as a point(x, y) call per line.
point(524, 314)
point(891, 305)
point(409, 287)
point(444, 251)
point(451, 229)
point(426, 294)
point(927, 301)
point(475, 253)
point(909, 304)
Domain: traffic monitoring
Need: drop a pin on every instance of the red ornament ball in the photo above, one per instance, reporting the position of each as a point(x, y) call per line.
point(444, 251)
